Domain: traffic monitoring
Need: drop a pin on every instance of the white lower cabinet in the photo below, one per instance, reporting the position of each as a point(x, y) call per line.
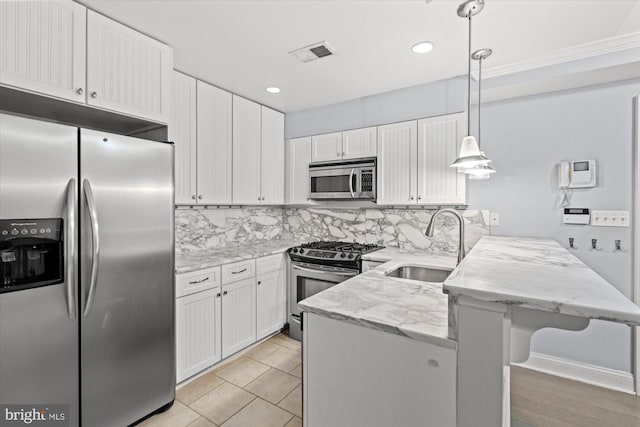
point(198, 332)
point(222, 310)
point(238, 316)
point(271, 283)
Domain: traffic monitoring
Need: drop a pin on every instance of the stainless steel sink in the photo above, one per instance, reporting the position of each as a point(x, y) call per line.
point(424, 274)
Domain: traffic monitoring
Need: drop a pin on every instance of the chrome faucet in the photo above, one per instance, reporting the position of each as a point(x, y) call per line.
point(432, 225)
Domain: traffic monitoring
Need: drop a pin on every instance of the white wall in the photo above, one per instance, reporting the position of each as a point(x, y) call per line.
point(526, 137)
point(416, 102)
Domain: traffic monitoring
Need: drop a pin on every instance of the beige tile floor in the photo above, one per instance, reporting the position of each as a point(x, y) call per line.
point(262, 387)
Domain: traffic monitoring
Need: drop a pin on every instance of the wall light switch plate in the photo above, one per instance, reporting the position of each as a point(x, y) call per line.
point(494, 218)
point(610, 218)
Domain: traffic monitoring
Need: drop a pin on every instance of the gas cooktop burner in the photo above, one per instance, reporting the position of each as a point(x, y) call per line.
point(339, 254)
point(361, 248)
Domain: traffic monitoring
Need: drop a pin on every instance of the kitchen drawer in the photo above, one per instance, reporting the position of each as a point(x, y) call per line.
point(196, 281)
point(238, 271)
point(269, 263)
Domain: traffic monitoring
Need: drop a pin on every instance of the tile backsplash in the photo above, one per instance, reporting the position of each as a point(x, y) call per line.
point(403, 228)
point(207, 229)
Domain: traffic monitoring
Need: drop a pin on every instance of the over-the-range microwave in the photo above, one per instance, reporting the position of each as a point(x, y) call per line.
point(343, 180)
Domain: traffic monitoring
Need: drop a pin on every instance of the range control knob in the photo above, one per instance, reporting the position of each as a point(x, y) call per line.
point(294, 250)
point(350, 256)
point(301, 250)
point(343, 255)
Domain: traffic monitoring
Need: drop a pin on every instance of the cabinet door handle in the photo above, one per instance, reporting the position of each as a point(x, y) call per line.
point(200, 197)
point(259, 282)
point(224, 293)
point(195, 282)
point(218, 295)
point(419, 197)
point(79, 91)
point(94, 94)
point(193, 197)
point(238, 272)
point(337, 154)
point(343, 153)
point(411, 198)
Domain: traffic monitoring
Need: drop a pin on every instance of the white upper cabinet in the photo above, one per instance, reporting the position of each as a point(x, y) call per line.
point(272, 157)
point(298, 157)
point(258, 154)
point(397, 168)
point(326, 147)
point(246, 152)
point(182, 132)
point(414, 161)
point(439, 141)
point(346, 145)
point(359, 143)
point(214, 129)
point(127, 71)
point(42, 47)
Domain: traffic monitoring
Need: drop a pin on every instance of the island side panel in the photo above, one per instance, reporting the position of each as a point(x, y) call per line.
point(483, 333)
point(357, 376)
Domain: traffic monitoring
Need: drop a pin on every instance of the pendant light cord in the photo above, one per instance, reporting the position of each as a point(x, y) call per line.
point(469, 83)
point(479, 97)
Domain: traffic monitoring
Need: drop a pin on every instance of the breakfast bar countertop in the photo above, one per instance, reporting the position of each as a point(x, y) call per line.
point(539, 274)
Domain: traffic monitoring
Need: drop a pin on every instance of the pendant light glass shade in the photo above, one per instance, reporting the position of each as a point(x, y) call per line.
point(470, 154)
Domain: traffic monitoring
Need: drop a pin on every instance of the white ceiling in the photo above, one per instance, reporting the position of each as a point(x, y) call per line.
point(242, 46)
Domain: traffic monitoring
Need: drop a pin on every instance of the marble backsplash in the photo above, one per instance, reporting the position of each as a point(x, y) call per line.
point(402, 228)
point(210, 229)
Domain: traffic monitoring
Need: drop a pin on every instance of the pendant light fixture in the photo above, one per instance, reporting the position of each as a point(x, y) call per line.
point(470, 154)
point(480, 171)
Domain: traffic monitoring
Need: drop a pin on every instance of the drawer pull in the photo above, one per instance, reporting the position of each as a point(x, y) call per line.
point(224, 293)
point(195, 282)
point(238, 272)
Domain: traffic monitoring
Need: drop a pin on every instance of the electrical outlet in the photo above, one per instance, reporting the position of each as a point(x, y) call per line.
point(610, 218)
point(494, 218)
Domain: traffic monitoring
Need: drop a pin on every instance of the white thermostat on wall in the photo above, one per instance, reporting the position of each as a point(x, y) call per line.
point(579, 216)
point(578, 174)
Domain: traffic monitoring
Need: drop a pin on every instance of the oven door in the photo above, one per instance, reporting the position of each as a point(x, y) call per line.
point(307, 280)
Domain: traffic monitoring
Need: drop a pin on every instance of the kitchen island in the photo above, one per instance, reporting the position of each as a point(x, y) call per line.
point(441, 353)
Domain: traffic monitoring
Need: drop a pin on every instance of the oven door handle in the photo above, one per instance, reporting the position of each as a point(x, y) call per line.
point(337, 273)
point(353, 196)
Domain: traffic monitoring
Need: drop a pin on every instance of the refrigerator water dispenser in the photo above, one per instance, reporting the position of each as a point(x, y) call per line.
point(31, 253)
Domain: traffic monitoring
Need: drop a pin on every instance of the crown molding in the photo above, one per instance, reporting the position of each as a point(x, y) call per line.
point(573, 53)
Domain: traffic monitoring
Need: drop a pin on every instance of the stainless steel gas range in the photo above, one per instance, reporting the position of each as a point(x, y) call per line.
point(318, 266)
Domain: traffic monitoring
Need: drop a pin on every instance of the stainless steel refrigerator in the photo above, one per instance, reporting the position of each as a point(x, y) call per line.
point(86, 272)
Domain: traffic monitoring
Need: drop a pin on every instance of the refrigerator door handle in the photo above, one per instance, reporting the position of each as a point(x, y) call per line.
point(71, 248)
point(95, 235)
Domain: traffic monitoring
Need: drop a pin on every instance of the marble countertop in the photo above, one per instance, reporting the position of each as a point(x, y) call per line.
point(404, 307)
point(539, 274)
point(193, 261)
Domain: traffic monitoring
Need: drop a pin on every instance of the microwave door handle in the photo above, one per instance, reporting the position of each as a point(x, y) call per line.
point(353, 196)
point(95, 257)
point(71, 248)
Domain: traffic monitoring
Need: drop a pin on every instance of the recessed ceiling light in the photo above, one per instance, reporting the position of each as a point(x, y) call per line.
point(422, 47)
point(273, 89)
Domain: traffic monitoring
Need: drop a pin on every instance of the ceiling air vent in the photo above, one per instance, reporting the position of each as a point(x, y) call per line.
point(313, 52)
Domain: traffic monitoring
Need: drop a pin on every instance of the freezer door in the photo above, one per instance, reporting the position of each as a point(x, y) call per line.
point(38, 328)
point(127, 270)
